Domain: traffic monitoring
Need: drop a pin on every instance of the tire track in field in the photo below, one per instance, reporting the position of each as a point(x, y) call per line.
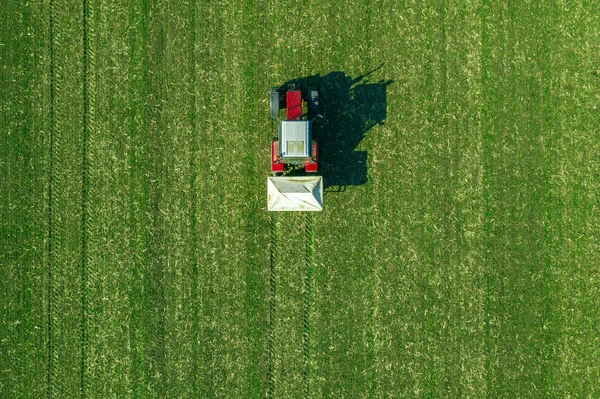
point(194, 199)
point(54, 139)
point(307, 267)
point(138, 190)
point(307, 301)
point(272, 307)
point(89, 92)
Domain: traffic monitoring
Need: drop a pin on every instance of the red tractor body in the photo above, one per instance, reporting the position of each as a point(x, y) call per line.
point(294, 105)
point(294, 144)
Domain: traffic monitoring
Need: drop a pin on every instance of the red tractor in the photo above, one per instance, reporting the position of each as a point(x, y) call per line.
point(294, 147)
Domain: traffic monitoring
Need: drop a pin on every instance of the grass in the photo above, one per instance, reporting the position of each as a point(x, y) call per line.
point(458, 252)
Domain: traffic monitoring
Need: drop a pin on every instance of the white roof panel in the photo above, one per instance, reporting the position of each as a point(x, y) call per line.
point(295, 138)
point(303, 193)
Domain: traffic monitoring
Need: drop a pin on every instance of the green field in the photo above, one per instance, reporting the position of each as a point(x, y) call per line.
point(458, 255)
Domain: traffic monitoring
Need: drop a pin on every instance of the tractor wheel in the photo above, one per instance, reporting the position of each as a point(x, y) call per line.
point(274, 103)
point(313, 101)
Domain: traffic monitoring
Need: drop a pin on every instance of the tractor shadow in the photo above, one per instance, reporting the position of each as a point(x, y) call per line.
point(350, 108)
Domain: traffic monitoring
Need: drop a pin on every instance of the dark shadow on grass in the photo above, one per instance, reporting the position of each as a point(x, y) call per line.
point(350, 108)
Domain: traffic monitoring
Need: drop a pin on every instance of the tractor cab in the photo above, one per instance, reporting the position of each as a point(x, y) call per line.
point(294, 145)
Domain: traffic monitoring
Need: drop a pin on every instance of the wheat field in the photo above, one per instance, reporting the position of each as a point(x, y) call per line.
point(458, 254)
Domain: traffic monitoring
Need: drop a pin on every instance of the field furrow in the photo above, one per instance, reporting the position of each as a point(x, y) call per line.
point(110, 244)
point(179, 146)
point(574, 190)
point(208, 31)
point(151, 333)
point(88, 270)
point(516, 185)
point(25, 126)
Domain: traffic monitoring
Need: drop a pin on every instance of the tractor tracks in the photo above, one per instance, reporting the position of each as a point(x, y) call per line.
point(54, 140)
point(307, 301)
point(89, 95)
point(272, 307)
point(69, 224)
point(287, 293)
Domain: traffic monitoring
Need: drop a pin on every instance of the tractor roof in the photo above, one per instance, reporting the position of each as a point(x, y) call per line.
point(295, 139)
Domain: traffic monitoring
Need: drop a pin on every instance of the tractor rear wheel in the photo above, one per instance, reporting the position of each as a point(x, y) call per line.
point(313, 102)
point(274, 103)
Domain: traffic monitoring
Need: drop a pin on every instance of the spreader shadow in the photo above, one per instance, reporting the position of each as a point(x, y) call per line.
point(350, 107)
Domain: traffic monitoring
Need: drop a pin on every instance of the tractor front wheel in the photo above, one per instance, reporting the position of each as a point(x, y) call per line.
point(274, 103)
